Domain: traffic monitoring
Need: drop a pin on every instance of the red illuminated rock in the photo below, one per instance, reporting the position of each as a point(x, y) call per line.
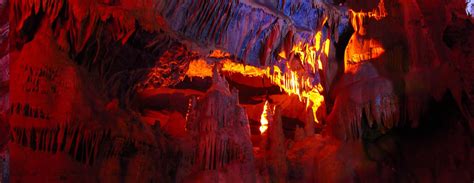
point(61, 116)
point(220, 147)
point(275, 148)
point(100, 91)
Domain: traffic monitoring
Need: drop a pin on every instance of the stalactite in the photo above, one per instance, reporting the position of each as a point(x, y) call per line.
point(83, 145)
point(382, 112)
point(81, 22)
point(216, 24)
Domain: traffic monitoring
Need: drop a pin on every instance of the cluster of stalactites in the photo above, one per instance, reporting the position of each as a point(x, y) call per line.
point(84, 145)
point(301, 80)
point(333, 18)
point(82, 19)
point(358, 18)
point(383, 114)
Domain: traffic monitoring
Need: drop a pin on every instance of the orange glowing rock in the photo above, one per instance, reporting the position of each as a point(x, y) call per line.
point(282, 54)
point(219, 54)
point(317, 38)
point(291, 82)
point(294, 81)
point(311, 54)
point(327, 44)
point(199, 68)
point(362, 49)
point(266, 114)
point(357, 18)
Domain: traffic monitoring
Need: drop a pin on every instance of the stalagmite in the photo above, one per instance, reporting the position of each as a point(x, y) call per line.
point(275, 148)
point(221, 129)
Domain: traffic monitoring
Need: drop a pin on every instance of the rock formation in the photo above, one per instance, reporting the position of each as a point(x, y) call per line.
point(274, 148)
point(218, 146)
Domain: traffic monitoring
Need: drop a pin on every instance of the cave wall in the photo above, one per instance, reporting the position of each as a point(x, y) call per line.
point(4, 62)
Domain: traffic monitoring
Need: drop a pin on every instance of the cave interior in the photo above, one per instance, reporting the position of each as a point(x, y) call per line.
point(236, 91)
